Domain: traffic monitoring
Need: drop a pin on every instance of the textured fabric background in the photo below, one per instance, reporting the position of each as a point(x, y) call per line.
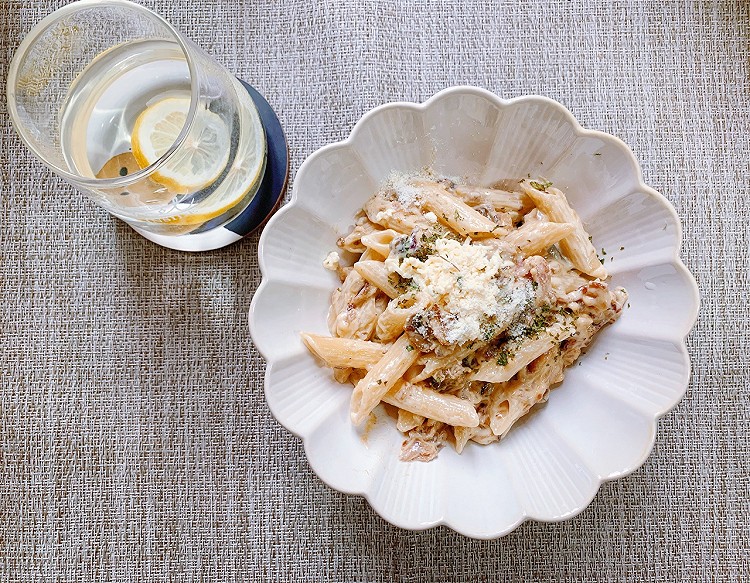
point(135, 443)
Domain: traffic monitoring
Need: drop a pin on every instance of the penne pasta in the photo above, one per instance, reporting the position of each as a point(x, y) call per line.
point(380, 241)
point(381, 378)
point(577, 247)
point(339, 320)
point(463, 307)
point(535, 237)
point(460, 216)
point(355, 308)
point(461, 436)
point(408, 420)
point(376, 274)
point(483, 434)
point(521, 395)
point(434, 363)
point(392, 321)
point(433, 405)
point(390, 215)
point(369, 255)
point(501, 200)
point(344, 352)
point(353, 241)
point(499, 371)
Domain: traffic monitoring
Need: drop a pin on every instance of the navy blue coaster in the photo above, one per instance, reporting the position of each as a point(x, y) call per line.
point(213, 235)
point(275, 179)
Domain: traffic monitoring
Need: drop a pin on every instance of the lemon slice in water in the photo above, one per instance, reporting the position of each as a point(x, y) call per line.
point(203, 158)
point(199, 161)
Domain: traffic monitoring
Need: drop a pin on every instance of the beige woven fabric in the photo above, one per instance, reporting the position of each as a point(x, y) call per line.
point(135, 443)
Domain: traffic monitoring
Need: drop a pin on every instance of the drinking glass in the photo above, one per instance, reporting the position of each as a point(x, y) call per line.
point(125, 108)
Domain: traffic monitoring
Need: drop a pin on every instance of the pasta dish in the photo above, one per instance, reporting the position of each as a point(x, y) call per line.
point(460, 306)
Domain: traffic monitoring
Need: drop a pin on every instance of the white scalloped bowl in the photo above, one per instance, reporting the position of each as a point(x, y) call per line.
point(598, 425)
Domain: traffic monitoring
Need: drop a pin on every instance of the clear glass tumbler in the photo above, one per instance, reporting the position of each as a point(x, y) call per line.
point(116, 101)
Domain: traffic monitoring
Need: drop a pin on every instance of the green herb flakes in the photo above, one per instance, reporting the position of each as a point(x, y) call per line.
point(542, 186)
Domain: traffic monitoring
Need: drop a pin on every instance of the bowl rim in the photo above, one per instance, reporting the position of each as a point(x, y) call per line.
point(579, 131)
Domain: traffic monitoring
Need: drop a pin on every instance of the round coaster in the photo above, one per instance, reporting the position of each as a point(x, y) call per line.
point(214, 236)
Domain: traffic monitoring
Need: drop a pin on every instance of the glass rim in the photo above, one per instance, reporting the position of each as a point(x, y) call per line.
point(31, 38)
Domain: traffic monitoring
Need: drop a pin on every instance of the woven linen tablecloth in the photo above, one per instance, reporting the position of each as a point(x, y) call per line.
point(135, 442)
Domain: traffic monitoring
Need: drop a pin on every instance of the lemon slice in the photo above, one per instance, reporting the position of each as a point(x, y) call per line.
point(199, 161)
point(203, 160)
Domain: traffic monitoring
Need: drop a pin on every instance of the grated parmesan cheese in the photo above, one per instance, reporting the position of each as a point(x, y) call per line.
point(466, 282)
point(384, 215)
point(331, 262)
point(406, 192)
